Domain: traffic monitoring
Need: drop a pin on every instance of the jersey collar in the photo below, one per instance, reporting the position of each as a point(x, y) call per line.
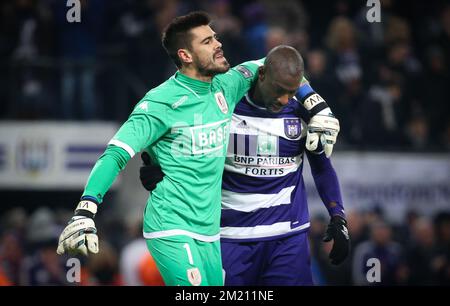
point(196, 86)
point(247, 97)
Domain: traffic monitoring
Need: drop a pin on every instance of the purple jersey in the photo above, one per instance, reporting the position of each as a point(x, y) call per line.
point(263, 192)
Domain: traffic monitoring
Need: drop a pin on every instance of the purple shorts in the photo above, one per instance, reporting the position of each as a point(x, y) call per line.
point(280, 262)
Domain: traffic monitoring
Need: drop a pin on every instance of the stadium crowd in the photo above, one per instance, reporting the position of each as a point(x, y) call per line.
point(387, 83)
point(415, 252)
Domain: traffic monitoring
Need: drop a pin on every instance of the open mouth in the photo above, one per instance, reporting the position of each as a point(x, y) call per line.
point(219, 55)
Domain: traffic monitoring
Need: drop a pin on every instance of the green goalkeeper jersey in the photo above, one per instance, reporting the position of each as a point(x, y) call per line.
point(184, 125)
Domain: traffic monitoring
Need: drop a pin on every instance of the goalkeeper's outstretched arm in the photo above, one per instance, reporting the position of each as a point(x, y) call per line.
point(141, 130)
point(80, 235)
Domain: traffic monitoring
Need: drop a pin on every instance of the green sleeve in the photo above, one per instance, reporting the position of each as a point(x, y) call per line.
point(239, 79)
point(105, 172)
point(146, 124)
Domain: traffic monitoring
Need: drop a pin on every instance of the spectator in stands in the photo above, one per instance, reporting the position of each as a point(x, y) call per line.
point(11, 258)
point(255, 29)
point(229, 28)
point(26, 38)
point(421, 253)
point(78, 43)
point(43, 267)
point(347, 73)
point(137, 266)
point(441, 263)
point(381, 247)
point(103, 268)
point(434, 90)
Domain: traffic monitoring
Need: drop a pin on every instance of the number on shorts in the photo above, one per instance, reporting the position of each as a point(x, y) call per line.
point(188, 250)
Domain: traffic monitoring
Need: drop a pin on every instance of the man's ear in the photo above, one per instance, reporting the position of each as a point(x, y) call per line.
point(185, 56)
point(261, 73)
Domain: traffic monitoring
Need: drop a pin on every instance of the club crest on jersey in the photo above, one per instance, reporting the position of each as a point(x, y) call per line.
point(221, 102)
point(292, 128)
point(194, 276)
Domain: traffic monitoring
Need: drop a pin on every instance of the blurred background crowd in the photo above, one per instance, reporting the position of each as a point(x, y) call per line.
point(395, 70)
point(413, 252)
point(387, 82)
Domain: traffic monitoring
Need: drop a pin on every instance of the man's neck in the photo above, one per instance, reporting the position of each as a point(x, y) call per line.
point(194, 74)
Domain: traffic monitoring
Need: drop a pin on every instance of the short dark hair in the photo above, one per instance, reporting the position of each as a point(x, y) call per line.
point(176, 34)
point(286, 60)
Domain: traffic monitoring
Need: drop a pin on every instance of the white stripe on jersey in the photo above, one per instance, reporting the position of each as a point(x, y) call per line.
point(176, 232)
point(248, 202)
point(260, 231)
point(122, 145)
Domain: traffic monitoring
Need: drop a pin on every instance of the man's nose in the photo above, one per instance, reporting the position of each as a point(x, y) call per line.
point(284, 99)
point(218, 44)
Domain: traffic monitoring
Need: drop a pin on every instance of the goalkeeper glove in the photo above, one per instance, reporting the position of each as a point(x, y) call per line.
point(80, 234)
point(149, 173)
point(337, 231)
point(324, 127)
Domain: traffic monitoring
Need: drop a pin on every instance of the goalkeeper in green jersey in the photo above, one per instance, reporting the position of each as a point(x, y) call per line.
point(183, 124)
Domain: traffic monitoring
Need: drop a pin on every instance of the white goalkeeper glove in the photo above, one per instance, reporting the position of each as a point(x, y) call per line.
point(324, 127)
point(80, 234)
